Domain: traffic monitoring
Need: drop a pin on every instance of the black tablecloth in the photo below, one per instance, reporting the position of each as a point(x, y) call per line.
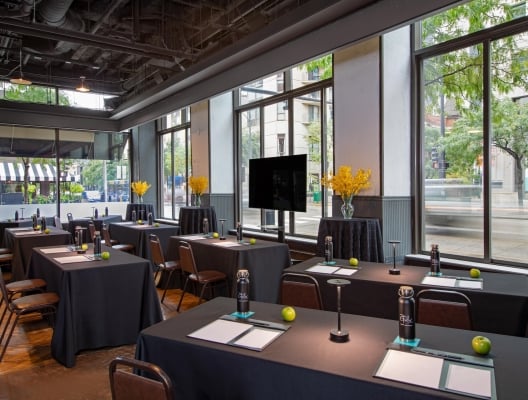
point(264, 260)
point(142, 210)
point(138, 235)
point(356, 237)
point(22, 245)
point(303, 363)
point(191, 218)
point(102, 303)
point(98, 223)
point(13, 224)
point(500, 307)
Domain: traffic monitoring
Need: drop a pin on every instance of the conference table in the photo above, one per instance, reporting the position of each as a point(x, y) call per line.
point(22, 240)
point(191, 218)
point(355, 237)
point(11, 223)
point(138, 235)
point(98, 223)
point(501, 306)
point(102, 303)
point(302, 363)
point(264, 260)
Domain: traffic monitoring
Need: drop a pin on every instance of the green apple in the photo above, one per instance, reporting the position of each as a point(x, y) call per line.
point(288, 314)
point(140, 222)
point(481, 345)
point(474, 273)
point(215, 234)
point(84, 247)
point(353, 261)
point(105, 255)
point(252, 241)
point(156, 224)
point(46, 231)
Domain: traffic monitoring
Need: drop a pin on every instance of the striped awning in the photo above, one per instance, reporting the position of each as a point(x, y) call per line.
point(14, 172)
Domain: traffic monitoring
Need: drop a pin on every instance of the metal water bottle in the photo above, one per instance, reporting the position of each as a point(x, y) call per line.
point(239, 232)
point(435, 260)
point(329, 249)
point(106, 211)
point(150, 218)
point(35, 222)
point(97, 244)
point(43, 224)
point(406, 313)
point(38, 212)
point(96, 213)
point(78, 237)
point(134, 215)
point(242, 291)
point(16, 215)
point(205, 226)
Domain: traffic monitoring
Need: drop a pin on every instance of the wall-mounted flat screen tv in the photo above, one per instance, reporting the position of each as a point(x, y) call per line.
point(278, 183)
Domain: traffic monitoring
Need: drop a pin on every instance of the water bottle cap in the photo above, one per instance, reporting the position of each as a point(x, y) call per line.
point(242, 273)
point(328, 238)
point(406, 291)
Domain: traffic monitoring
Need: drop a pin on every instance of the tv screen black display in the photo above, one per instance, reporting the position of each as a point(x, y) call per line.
point(278, 183)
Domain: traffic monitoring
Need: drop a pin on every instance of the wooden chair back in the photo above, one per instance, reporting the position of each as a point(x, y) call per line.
point(155, 384)
point(446, 308)
point(187, 262)
point(300, 290)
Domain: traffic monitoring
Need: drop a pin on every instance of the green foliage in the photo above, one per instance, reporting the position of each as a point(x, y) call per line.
point(34, 94)
point(323, 64)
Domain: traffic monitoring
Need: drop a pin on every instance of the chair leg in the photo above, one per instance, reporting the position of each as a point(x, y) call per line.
point(166, 285)
point(8, 339)
point(183, 294)
point(204, 286)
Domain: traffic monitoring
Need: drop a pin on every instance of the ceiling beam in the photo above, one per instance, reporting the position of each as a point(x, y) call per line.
point(87, 39)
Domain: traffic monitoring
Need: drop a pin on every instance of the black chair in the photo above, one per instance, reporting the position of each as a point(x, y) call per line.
point(157, 258)
point(300, 290)
point(206, 278)
point(132, 379)
point(41, 304)
point(446, 308)
point(129, 248)
point(70, 217)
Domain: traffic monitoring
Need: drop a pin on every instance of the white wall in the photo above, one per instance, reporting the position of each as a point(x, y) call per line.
point(200, 140)
point(357, 110)
point(396, 84)
point(221, 140)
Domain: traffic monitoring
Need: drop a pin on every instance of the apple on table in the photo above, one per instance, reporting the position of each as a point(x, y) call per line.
point(481, 344)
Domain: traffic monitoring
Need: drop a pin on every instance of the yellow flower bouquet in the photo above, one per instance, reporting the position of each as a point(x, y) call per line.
point(198, 184)
point(347, 185)
point(140, 188)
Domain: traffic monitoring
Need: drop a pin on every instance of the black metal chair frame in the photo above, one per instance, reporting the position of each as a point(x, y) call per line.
point(156, 253)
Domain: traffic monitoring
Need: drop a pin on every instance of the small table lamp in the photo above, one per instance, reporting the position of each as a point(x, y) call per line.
point(338, 335)
point(394, 270)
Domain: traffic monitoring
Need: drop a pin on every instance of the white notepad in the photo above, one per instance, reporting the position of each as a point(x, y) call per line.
point(468, 379)
point(53, 250)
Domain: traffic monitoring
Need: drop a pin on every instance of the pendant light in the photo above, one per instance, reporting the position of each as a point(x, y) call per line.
point(20, 80)
point(82, 87)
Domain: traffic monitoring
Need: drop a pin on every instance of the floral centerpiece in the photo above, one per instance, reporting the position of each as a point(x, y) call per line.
point(198, 185)
point(347, 185)
point(140, 188)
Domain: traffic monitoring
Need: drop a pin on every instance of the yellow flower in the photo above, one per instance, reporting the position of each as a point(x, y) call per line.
point(139, 187)
point(198, 184)
point(347, 184)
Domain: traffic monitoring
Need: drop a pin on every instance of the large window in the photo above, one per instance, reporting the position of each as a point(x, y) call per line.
point(474, 131)
point(277, 122)
point(62, 171)
point(175, 149)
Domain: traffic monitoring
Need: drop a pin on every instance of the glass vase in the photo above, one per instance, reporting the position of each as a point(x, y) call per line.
point(347, 208)
point(198, 200)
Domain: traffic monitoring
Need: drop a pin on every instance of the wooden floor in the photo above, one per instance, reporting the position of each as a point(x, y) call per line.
point(29, 372)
